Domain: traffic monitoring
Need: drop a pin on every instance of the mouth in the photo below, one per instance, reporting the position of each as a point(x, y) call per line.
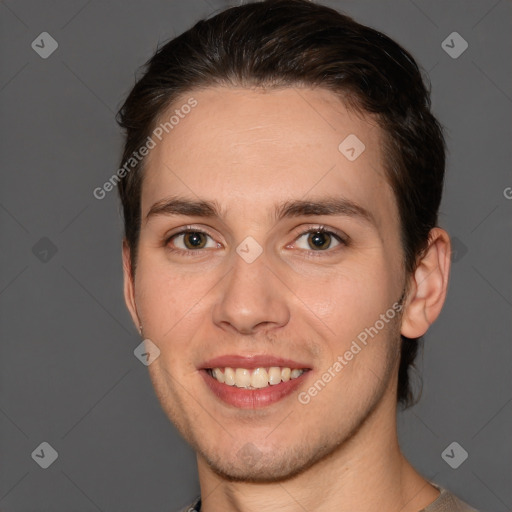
point(252, 382)
point(257, 378)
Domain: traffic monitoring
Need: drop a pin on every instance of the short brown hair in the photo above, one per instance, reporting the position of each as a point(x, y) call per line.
point(279, 43)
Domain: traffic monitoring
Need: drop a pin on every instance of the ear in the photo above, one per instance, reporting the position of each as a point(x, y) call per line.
point(428, 286)
point(129, 285)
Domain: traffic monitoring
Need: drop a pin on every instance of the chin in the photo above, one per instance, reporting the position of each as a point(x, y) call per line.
point(262, 472)
point(249, 464)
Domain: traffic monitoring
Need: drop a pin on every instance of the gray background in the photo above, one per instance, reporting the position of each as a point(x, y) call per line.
point(68, 373)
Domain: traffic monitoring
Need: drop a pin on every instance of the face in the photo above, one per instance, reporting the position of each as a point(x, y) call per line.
point(268, 275)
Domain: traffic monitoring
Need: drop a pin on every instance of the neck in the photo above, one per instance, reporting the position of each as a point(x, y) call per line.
point(368, 472)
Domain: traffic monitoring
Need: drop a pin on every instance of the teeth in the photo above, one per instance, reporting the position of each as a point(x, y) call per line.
point(274, 375)
point(218, 375)
point(229, 376)
point(295, 373)
point(259, 378)
point(254, 379)
point(242, 378)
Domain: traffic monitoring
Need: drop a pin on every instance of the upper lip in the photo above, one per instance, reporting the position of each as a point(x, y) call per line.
point(251, 362)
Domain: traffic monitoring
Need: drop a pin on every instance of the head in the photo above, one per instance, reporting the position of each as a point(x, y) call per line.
point(255, 108)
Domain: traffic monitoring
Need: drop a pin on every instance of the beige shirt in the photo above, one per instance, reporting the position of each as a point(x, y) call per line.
point(446, 502)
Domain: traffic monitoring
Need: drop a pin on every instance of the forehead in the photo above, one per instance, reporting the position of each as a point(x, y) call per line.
point(253, 148)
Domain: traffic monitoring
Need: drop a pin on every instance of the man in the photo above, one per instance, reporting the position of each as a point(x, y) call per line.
point(282, 174)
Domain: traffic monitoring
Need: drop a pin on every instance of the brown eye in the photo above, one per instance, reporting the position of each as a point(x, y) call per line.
point(190, 241)
point(319, 240)
point(194, 240)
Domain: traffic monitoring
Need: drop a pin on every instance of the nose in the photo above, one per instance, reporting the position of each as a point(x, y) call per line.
point(251, 298)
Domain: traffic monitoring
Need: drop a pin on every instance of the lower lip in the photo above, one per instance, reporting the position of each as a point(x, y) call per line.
point(251, 398)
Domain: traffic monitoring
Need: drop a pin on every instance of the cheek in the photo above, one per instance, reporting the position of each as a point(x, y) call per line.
point(162, 297)
point(153, 296)
point(348, 300)
point(171, 306)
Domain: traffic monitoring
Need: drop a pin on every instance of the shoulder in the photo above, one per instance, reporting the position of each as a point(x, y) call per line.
point(448, 502)
point(195, 506)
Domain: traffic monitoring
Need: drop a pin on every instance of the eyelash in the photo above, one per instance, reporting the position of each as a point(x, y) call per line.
point(343, 240)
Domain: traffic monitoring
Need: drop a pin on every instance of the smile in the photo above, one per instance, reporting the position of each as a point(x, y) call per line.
point(252, 381)
point(256, 378)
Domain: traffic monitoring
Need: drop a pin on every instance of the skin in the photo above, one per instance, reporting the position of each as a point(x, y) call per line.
point(249, 150)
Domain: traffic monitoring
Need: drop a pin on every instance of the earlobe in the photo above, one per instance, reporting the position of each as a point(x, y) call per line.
point(428, 286)
point(129, 285)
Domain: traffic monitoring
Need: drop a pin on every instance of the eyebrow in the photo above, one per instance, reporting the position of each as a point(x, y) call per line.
point(289, 209)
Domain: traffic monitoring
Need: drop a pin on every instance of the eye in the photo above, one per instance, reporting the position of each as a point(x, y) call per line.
point(319, 240)
point(190, 240)
point(316, 240)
